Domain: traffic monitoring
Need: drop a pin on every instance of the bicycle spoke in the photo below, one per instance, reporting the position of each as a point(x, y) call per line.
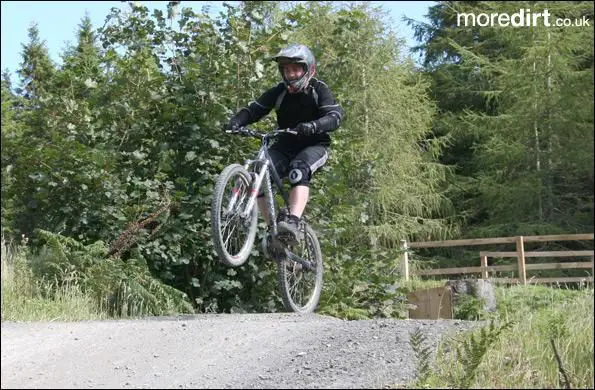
point(226, 242)
point(226, 233)
point(294, 290)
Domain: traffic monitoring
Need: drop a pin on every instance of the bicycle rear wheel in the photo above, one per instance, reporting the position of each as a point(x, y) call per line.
point(233, 235)
point(301, 288)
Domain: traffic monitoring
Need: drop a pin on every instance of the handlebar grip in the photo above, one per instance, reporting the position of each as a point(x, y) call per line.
point(247, 131)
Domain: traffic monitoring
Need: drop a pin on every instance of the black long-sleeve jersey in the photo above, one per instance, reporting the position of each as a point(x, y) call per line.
point(317, 104)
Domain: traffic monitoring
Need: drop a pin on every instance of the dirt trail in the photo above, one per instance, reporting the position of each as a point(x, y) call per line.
point(215, 351)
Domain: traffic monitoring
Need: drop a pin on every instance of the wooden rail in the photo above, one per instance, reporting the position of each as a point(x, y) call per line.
point(520, 254)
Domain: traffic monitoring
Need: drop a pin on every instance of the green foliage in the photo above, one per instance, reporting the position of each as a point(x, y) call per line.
point(357, 287)
point(505, 96)
point(467, 354)
point(470, 354)
point(27, 298)
point(11, 130)
point(390, 198)
point(61, 258)
point(367, 200)
point(470, 308)
point(36, 69)
point(532, 298)
point(124, 288)
point(128, 289)
point(464, 356)
point(132, 117)
point(549, 332)
point(423, 354)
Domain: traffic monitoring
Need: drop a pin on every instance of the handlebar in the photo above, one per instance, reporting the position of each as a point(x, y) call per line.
point(256, 134)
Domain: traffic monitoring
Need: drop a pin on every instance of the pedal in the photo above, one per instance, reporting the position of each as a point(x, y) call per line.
point(287, 239)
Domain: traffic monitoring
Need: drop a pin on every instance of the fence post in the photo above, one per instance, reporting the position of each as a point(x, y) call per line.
point(405, 260)
point(484, 263)
point(520, 251)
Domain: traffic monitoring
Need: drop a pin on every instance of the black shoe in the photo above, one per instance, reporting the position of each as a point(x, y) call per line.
point(289, 230)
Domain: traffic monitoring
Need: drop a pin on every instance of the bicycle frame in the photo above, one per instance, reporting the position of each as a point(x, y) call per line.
point(262, 172)
point(262, 169)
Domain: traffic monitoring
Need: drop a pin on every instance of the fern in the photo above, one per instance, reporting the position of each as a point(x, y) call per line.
point(423, 354)
point(472, 351)
point(123, 288)
point(129, 289)
point(63, 259)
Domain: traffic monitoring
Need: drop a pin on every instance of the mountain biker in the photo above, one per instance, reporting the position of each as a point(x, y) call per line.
point(306, 104)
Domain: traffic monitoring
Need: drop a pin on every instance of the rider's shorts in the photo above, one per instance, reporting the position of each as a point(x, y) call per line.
point(298, 165)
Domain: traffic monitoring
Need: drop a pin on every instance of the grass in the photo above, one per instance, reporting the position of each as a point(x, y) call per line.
point(523, 355)
point(527, 357)
point(25, 298)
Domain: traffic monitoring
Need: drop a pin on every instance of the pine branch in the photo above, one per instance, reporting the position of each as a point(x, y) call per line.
point(128, 238)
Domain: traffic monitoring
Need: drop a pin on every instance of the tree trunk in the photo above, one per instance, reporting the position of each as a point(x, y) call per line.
point(537, 147)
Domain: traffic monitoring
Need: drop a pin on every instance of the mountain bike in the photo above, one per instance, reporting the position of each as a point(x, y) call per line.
point(234, 217)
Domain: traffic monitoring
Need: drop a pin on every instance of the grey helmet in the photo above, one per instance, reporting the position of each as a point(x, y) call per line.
point(297, 54)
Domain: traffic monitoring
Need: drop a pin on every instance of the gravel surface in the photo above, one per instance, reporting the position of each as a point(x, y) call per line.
point(215, 351)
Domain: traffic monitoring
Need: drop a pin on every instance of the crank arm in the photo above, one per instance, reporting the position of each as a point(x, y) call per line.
point(292, 256)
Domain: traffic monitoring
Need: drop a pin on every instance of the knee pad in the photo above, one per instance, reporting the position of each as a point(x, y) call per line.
point(299, 173)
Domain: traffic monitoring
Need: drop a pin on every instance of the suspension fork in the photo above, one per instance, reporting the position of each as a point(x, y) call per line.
point(235, 191)
point(256, 184)
point(268, 189)
point(271, 204)
point(235, 194)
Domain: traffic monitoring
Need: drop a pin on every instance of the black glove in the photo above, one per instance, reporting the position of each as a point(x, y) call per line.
point(306, 129)
point(231, 125)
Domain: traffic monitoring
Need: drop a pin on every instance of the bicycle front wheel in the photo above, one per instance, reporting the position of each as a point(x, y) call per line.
point(301, 288)
point(233, 234)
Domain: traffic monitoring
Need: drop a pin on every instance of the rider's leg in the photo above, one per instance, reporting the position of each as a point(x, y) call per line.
point(301, 169)
point(262, 207)
point(298, 199)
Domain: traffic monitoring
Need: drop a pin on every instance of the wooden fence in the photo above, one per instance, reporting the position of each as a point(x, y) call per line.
point(520, 254)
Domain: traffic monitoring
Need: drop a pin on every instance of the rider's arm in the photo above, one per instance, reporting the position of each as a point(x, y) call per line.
point(258, 108)
point(331, 112)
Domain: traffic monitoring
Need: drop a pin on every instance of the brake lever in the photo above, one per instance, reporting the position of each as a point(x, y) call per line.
point(286, 131)
point(238, 131)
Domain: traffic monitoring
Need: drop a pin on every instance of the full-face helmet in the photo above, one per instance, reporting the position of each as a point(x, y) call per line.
point(296, 54)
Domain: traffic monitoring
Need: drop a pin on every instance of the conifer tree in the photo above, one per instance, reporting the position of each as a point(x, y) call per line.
point(36, 69)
